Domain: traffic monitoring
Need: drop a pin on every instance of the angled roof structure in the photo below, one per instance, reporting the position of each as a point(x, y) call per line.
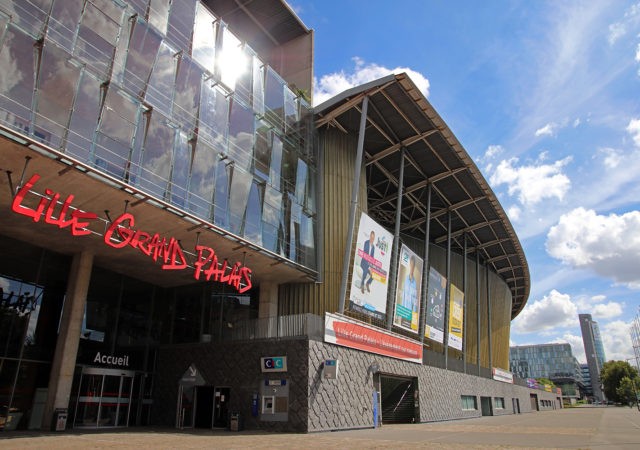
point(400, 116)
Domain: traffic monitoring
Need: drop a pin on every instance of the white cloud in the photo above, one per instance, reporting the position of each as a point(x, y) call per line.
point(637, 58)
point(547, 130)
point(552, 311)
point(577, 345)
point(492, 151)
point(576, 122)
point(616, 340)
point(532, 183)
point(514, 213)
point(621, 28)
point(608, 245)
point(607, 310)
point(612, 157)
point(616, 31)
point(334, 83)
point(634, 127)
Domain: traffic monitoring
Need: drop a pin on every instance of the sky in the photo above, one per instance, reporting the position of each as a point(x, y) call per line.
point(545, 97)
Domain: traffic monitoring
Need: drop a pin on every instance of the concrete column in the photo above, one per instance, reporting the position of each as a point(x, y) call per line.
point(268, 305)
point(64, 358)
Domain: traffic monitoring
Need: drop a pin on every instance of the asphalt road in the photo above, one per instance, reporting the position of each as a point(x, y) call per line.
point(583, 428)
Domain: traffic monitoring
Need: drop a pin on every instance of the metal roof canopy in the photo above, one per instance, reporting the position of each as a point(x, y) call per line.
point(400, 116)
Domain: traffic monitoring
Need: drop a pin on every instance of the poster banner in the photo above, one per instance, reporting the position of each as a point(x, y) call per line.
point(502, 375)
point(434, 326)
point(456, 318)
point(408, 288)
point(347, 332)
point(369, 281)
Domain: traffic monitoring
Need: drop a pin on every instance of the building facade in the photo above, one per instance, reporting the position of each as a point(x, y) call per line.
point(553, 361)
point(594, 352)
point(180, 239)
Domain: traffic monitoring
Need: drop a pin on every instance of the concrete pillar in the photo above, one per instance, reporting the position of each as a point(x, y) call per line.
point(64, 358)
point(268, 305)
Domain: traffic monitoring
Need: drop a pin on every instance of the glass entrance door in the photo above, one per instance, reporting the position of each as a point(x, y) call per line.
point(104, 399)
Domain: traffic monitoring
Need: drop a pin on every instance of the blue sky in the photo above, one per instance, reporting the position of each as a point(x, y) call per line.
point(545, 96)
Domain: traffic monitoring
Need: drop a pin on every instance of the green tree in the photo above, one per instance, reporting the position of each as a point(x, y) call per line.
point(611, 376)
point(542, 381)
point(627, 390)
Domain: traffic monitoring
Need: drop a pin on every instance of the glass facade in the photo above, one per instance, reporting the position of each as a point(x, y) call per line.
point(544, 361)
point(164, 97)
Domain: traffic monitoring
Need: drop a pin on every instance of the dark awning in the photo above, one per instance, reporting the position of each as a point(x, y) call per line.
point(400, 116)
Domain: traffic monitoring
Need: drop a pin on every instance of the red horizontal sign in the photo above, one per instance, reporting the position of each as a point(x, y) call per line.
point(122, 233)
point(348, 333)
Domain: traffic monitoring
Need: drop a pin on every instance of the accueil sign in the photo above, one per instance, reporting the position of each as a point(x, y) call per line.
point(122, 233)
point(110, 360)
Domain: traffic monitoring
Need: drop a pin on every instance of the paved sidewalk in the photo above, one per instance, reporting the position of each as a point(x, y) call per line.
point(583, 428)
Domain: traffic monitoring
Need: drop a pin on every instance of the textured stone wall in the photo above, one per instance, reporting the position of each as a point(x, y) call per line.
point(347, 402)
point(237, 366)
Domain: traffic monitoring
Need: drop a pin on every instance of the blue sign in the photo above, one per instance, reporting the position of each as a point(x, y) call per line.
point(274, 363)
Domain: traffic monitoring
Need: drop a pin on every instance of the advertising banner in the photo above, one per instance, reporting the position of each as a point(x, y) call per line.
point(343, 331)
point(502, 375)
point(456, 318)
point(408, 288)
point(434, 326)
point(369, 282)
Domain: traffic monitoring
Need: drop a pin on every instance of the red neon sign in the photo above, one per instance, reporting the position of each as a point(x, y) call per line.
point(122, 233)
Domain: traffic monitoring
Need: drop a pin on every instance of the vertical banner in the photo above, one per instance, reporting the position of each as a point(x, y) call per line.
point(434, 326)
point(408, 288)
point(369, 281)
point(456, 318)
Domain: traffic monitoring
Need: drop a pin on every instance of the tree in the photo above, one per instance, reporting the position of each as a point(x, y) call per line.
point(611, 376)
point(542, 381)
point(627, 390)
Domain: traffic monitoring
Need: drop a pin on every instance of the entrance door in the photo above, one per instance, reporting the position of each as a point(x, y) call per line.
point(534, 402)
point(104, 398)
point(204, 407)
point(398, 396)
point(221, 407)
point(485, 404)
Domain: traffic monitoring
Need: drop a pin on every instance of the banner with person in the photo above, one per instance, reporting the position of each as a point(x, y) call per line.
point(456, 318)
point(408, 288)
point(369, 281)
point(436, 294)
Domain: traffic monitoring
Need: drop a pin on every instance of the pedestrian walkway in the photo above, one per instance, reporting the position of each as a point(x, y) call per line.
point(583, 428)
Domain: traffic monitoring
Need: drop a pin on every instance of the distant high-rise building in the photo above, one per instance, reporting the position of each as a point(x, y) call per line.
point(635, 338)
point(553, 361)
point(586, 380)
point(594, 352)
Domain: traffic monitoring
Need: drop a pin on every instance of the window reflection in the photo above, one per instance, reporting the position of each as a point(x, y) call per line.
point(143, 49)
point(214, 116)
point(180, 26)
point(221, 195)
point(271, 219)
point(158, 14)
point(262, 152)
point(253, 216)
point(290, 110)
point(238, 195)
point(180, 170)
point(84, 118)
point(204, 38)
point(232, 61)
point(274, 98)
point(241, 133)
point(16, 85)
point(63, 22)
point(202, 180)
point(187, 92)
point(57, 83)
point(258, 86)
point(160, 91)
point(155, 164)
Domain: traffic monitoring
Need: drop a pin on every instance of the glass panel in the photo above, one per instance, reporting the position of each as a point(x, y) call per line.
point(57, 82)
point(202, 180)
point(275, 172)
point(98, 34)
point(301, 182)
point(290, 110)
point(294, 230)
point(232, 61)
point(143, 49)
point(274, 98)
point(156, 156)
point(30, 16)
point(115, 133)
point(124, 402)
point(16, 83)
point(262, 152)
point(181, 23)
point(241, 183)
point(204, 38)
point(180, 172)
point(214, 116)
point(63, 22)
point(84, 118)
point(307, 241)
point(271, 219)
point(253, 216)
point(289, 166)
point(258, 86)
point(160, 89)
point(241, 133)
point(187, 93)
point(110, 400)
point(158, 14)
point(221, 195)
point(89, 401)
point(139, 6)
